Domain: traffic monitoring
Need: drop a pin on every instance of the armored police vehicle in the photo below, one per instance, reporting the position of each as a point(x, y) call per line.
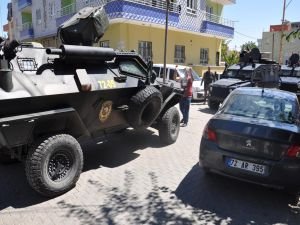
point(53, 98)
point(290, 75)
point(252, 70)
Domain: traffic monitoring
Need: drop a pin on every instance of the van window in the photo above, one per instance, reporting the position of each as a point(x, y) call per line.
point(173, 74)
point(156, 69)
point(162, 72)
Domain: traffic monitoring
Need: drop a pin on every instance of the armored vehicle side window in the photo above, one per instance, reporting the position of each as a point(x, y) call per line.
point(245, 74)
point(285, 72)
point(297, 73)
point(132, 67)
point(231, 73)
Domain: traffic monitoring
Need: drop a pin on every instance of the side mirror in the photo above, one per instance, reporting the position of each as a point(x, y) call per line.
point(151, 75)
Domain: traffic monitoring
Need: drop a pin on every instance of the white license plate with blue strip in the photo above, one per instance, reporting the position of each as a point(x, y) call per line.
point(244, 165)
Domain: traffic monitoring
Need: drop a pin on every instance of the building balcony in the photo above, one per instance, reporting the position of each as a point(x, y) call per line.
point(65, 13)
point(224, 2)
point(180, 16)
point(26, 31)
point(24, 5)
point(151, 11)
point(218, 26)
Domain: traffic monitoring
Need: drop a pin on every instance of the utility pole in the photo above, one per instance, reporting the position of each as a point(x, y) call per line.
point(281, 33)
point(166, 41)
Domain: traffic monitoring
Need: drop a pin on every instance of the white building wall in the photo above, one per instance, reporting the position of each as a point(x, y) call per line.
point(288, 48)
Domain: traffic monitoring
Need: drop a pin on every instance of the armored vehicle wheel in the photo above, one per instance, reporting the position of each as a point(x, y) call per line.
point(54, 165)
point(169, 126)
point(213, 105)
point(144, 107)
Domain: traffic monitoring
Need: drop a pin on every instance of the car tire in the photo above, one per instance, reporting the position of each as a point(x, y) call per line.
point(169, 126)
point(54, 164)
point(144, 107)
point(213, 105)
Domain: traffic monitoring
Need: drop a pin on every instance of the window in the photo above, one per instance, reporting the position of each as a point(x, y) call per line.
point(104, 44)
point(132, 67)
point(38, 16)
point(204, 56)
point(145, 50)
point(51, 9)
point(209, 12)
point(192, 6)
point(179, 56)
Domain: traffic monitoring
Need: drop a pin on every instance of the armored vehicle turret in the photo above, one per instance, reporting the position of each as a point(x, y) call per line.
point(53, 98)
point(252, 70)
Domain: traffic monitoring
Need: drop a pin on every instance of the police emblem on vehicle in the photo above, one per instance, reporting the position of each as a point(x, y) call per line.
point(105, 111)
point(249, 144)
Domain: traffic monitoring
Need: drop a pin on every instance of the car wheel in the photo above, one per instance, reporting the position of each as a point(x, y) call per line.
point(53, 165)
point(169, 126)
point(144, 107)
point(213, 105)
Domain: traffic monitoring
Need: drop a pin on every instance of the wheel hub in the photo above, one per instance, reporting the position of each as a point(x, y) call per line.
point(59, 166)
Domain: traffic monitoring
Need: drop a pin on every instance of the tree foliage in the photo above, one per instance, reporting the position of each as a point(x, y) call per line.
point(229, 57)
point(292, 35)
point(248, 46)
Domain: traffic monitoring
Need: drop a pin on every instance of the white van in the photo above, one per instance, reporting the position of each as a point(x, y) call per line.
point(198, 89)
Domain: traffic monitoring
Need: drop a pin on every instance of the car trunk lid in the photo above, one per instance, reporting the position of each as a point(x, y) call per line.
point(254, 137)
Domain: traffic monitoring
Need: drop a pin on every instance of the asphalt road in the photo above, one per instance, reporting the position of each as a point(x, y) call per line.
point(133, 179)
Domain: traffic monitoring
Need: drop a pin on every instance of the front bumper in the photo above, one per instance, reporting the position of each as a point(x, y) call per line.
point(282, 173)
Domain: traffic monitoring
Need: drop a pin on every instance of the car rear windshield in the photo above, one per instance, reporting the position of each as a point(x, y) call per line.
point(268, 107)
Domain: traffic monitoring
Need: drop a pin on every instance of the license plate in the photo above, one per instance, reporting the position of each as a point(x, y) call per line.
point(252, 167)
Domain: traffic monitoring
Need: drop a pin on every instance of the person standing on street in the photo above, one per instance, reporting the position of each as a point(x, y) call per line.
point(208, 78)
point(185, 102)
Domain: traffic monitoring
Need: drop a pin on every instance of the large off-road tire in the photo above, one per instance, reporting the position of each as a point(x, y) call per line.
point(169, 126)
point(144, 107)
point(53, 165)
point(213, 105)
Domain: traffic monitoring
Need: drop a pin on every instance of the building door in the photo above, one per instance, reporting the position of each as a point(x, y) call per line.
point(217, 58)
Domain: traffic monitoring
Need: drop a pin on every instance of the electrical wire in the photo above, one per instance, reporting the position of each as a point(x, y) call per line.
point(254, 38)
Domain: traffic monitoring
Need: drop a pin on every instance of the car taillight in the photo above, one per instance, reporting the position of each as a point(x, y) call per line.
point(294, 151)
point(210, 134)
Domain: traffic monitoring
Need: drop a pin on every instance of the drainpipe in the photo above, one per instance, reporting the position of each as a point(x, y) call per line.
point(166, 41)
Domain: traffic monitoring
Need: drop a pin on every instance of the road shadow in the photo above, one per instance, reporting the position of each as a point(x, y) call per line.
point(121, 205)
point(15, 190)
point(116, 151)
point(239, 202)
point(119, 149)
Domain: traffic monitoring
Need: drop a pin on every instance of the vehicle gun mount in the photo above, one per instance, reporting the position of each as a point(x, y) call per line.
point(85, 27)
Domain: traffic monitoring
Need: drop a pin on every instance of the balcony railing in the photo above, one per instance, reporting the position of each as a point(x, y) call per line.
point(24, 3)
point(224, 2)
point(67, 10)
point(216, 19)
point(159, 4)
